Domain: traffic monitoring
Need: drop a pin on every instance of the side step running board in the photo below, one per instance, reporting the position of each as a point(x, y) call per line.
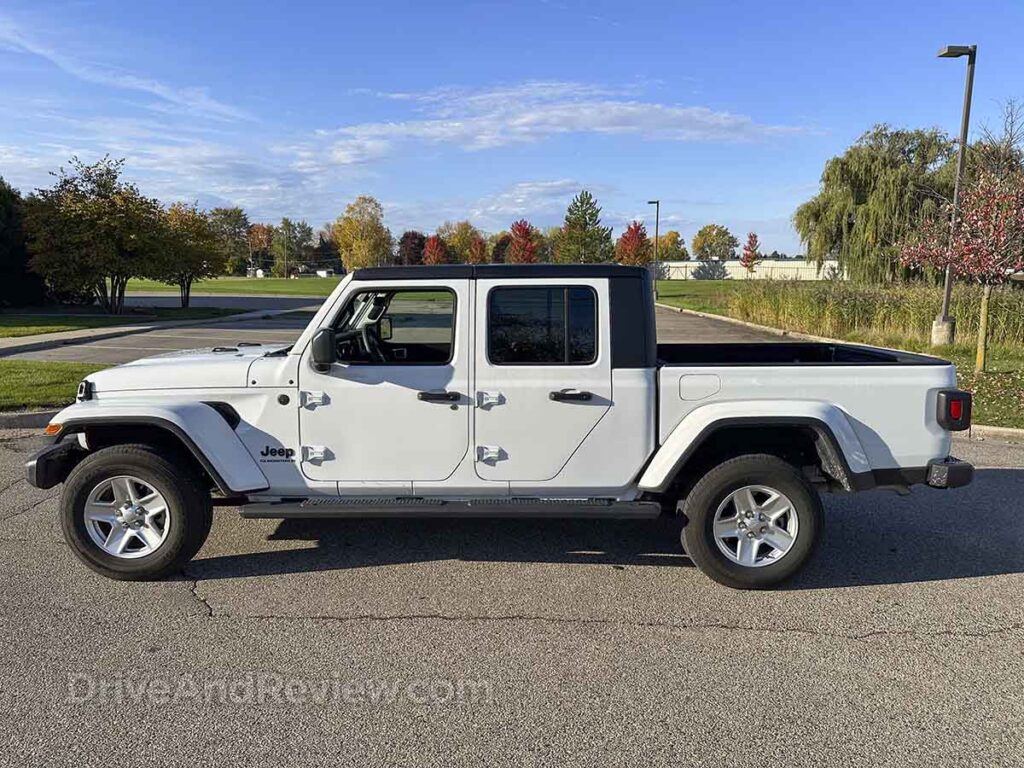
point(359, 506)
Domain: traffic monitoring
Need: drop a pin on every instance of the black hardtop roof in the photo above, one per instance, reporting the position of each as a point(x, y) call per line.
point(498, 271)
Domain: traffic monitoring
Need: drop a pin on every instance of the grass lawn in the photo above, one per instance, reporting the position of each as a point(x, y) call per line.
point(34, 384)
point(31, 324)
point(304, 286)
point(699, 295)
point(998, 393)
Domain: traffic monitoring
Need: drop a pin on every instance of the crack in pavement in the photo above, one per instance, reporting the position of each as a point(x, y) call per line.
point(193, 587)
point(855, 637)
point(29, 508)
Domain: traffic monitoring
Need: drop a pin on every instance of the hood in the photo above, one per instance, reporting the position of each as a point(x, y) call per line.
point(210, 367)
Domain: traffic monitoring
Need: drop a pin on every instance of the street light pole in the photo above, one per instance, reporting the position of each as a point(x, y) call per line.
point(657, 222)
point(944, 327)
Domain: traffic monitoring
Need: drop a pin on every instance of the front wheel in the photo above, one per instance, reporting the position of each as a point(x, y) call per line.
point(131, 514)
point(753, 521)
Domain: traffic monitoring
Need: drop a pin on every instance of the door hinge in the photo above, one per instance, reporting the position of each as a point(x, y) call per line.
point(313, 399)
point(314, 453)
point(490, 454)
point(487, 399)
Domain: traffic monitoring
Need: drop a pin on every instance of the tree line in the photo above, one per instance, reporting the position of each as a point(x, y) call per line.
point(885, 209)
point(364, 240)
point(82, 239)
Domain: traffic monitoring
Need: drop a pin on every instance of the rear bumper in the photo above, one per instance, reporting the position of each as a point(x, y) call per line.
point(949, 473)
point(52, 465)
point(938, 473)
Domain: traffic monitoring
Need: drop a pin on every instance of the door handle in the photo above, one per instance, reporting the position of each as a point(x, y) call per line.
point(439, 397)
point(571, 397)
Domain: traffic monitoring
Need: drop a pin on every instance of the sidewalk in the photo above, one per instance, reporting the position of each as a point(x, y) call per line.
point(14, 345)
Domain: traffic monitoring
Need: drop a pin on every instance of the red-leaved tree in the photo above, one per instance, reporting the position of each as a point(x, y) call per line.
point(751, 255)
point(477, 251)
point(435, 251)
point(522, 248)
point(633, 248)
point(987, 244)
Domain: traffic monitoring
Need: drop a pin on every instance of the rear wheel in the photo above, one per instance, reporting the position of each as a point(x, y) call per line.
point(129, 513)
point(753, 521)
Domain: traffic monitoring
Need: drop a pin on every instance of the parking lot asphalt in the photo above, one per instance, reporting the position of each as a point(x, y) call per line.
point(522, 642)
point(476, 642)
point(284, 329)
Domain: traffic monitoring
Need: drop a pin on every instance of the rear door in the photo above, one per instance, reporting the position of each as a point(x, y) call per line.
point(543, 373)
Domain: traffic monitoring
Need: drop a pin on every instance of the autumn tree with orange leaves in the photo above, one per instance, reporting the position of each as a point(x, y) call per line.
point(634, 247)
point(522, 249)
point(435, 251)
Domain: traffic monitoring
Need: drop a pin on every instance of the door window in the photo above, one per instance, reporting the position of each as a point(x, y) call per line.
point(387, 327)
point(542, 326)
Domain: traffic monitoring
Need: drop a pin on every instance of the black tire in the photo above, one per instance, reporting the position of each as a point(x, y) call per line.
point(185, 494)
point(716, 486)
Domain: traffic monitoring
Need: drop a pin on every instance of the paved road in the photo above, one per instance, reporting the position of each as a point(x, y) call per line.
point(522, 642)
point(112, 351)
point(672, 326)
point(247, 302)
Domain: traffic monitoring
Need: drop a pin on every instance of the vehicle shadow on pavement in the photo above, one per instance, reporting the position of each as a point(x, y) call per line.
point(932, 535)
point(366, 543)
point(870, 538)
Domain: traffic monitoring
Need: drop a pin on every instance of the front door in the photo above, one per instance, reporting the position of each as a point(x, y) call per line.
point(543, 374)
point(395, 406)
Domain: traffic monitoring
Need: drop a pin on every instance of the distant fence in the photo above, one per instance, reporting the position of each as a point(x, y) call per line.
point(769, 269)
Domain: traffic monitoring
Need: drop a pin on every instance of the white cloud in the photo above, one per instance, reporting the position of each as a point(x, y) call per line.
point(194, 100)
point(525, 198)
point(538, 110)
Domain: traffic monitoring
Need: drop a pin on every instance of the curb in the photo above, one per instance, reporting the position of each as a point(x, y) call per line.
point(983, 432)
point(131, 330)
point(26, 419)
point(756, 327)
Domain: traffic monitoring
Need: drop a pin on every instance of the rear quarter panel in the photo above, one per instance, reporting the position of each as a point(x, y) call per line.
point(891, 408)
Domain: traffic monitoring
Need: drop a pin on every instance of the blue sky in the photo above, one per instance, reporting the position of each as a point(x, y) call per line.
point(726, 111)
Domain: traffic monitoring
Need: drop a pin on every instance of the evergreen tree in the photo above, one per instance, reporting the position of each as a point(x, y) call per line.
point(582, 239)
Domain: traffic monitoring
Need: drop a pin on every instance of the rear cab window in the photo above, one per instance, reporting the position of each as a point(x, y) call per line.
point(542, 325)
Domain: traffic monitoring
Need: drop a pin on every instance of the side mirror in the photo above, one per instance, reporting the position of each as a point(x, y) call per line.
point(324, 351)
point(384, 328)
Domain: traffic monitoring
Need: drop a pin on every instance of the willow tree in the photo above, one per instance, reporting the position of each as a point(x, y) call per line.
point(873, 196)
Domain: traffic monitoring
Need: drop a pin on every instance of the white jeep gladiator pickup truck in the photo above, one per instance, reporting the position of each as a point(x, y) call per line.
point(515, 390)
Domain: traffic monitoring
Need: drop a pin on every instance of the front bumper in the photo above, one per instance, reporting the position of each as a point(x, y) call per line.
point(949, 473)
point(52, 465)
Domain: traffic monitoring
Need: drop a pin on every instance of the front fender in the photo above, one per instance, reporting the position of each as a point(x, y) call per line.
point(200, 428)
point(701, 422)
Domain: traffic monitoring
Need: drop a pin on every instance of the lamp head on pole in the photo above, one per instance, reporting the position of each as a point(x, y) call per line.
point(956, 51)
point(653, 202)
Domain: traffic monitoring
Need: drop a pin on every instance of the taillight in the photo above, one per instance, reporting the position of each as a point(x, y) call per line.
point(954, 409)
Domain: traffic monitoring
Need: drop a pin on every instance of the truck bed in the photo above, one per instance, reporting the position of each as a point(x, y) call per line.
point(882, 391)
point(786, 353)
